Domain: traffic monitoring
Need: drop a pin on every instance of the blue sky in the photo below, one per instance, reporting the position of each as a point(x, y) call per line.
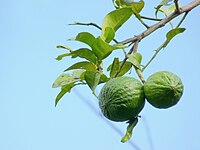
point(30, 31)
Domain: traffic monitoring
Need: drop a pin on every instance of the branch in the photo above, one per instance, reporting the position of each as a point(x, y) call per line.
point(91, 24)
point(86, 24)
point(162, 23)
point(149, 18)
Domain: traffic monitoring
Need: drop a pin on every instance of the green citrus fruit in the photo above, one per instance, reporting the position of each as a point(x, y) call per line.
point(121, 98)
point(163, 89)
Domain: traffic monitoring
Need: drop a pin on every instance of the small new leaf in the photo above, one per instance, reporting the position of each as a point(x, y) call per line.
point(168, 11)
point(60, 57)
point(135, 59)
point(162, 3)
point(125, 68)
point(129, 130)
point(115, 67)
point(64, 47)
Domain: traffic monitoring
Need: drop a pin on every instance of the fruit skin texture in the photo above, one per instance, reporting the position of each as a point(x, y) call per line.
point(121, 98)
point(163, 89)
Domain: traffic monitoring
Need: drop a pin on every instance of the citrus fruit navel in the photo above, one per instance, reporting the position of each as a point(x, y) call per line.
point(121, 98)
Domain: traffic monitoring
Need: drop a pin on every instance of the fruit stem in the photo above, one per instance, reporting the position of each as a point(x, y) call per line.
point(95, 94)
point(139, 73)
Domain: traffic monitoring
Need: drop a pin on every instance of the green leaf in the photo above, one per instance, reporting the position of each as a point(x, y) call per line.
point(163, 3)
point(64, 90)
point(172, 33)
point(86, 38)
point(108, 35)
point(92, 79)
point(60, 57)
point(125, 68)
point(64, 47)
point(129, 130)
point(67, 82)
point(168, 11)
point(135, 59)
point(64, 79)
point(83, 65)
point(82, 53)
point(103, 78)
point(137, 6)
point(85, 53)
point(101, 48)
point(115, 20)
point(120, 46)
point(78, 74)
point(115, 67)
point(61, 46)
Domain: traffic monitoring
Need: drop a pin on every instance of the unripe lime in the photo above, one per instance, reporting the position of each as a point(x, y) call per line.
point(121, 98)
point(163, 89)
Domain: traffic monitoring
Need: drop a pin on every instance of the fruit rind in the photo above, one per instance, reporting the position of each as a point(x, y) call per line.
point(121, 98)
point(163, 89)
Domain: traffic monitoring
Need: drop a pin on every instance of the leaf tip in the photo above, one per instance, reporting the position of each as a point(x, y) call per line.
point(56, 104)
point(54, 85)
point(71, 39)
